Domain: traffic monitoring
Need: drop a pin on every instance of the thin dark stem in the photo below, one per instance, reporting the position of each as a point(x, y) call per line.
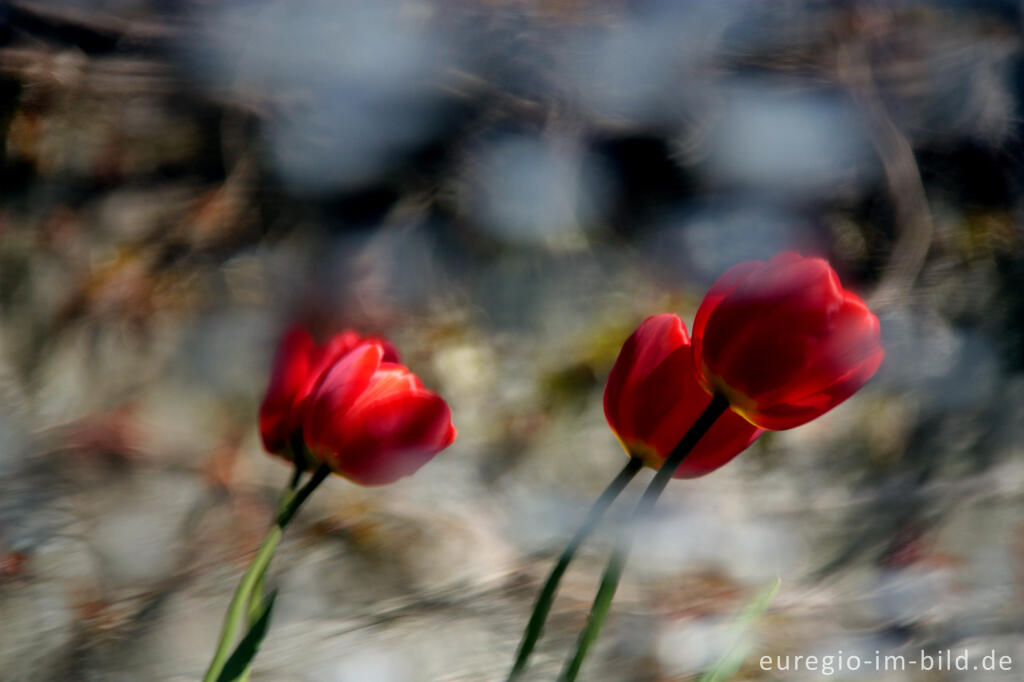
point(296, 476)
point(613, 571)
point(286, 514)
point(300, 457)
point(535, 627)
point(256, 597)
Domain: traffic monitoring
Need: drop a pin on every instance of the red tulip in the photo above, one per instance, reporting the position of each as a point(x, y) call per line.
point(372, 421)
point(653, 396)
point(783, 341)
point(298, 365)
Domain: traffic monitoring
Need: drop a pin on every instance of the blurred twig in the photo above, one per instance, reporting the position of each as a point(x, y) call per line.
point(913, 216)
point(89, 29)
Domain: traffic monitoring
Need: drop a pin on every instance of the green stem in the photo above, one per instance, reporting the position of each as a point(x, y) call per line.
point(255, 609)
point(292, 506)
point(613, 571)
point(535, 626)
point(293, 483)
point(237, 608)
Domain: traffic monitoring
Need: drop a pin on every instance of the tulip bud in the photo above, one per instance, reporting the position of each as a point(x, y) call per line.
point(372, 421)
point(653, 397)
point(783, 341)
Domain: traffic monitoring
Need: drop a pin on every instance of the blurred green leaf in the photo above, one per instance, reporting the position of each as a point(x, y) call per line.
point(727, 666)
point(250, 644)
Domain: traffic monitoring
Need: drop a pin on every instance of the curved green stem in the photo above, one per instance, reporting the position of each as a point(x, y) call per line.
point(613, 571)
point(535, 627)
point(256, 598)
point(255, 609)
point(237, 608)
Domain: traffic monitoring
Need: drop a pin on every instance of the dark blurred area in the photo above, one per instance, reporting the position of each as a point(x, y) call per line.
point(504, 188)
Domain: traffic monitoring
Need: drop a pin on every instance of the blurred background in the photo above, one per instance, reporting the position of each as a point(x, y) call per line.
point(505, 188)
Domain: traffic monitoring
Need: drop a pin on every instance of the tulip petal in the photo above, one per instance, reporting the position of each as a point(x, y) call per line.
point(764, 331)
point(720, 290)
point(783, 341)
point(390, 352)
point(391, 437)
point(677, 407)
point(669, 388)
point(338, 389)
point(654, 396)
point(852, 337)
point(730, 435)
point(654, 340)
point(799, 411)
point(292, 363)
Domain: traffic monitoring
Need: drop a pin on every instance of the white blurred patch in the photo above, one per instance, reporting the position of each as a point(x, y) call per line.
point(914, 594)
point(399, 265)
point(769, 140)
point(949, 369)
point(647, 66)
point(696, 645)
point(755, 550)
point(371, 664)
point(704, 239)
point(349, 84)
point(342, 142)
point(528, 191)
point(137, 536)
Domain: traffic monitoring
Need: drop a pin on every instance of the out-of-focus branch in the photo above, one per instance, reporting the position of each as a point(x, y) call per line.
point(91, 30)
point(913, 217)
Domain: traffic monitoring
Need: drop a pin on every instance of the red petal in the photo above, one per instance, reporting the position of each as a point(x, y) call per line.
point(337, 346)
point(852, 335)
point(654, 340)
point(802, 410)
point(671, 388)
point(723, 286)
point(292, 366)
point(653, 397)
point(393, 436)
point(730, 434)
point(348, 339)
point(769, 314)
point(390, 352)
point(784, 341)
point(340, 386)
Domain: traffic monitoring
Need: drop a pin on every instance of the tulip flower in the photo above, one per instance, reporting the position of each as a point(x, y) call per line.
point(298, 365)
point(783, 341)
point(777, 343)
point(372, 421)
point(657, 409)
point(360, 414)
point(653, 397)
